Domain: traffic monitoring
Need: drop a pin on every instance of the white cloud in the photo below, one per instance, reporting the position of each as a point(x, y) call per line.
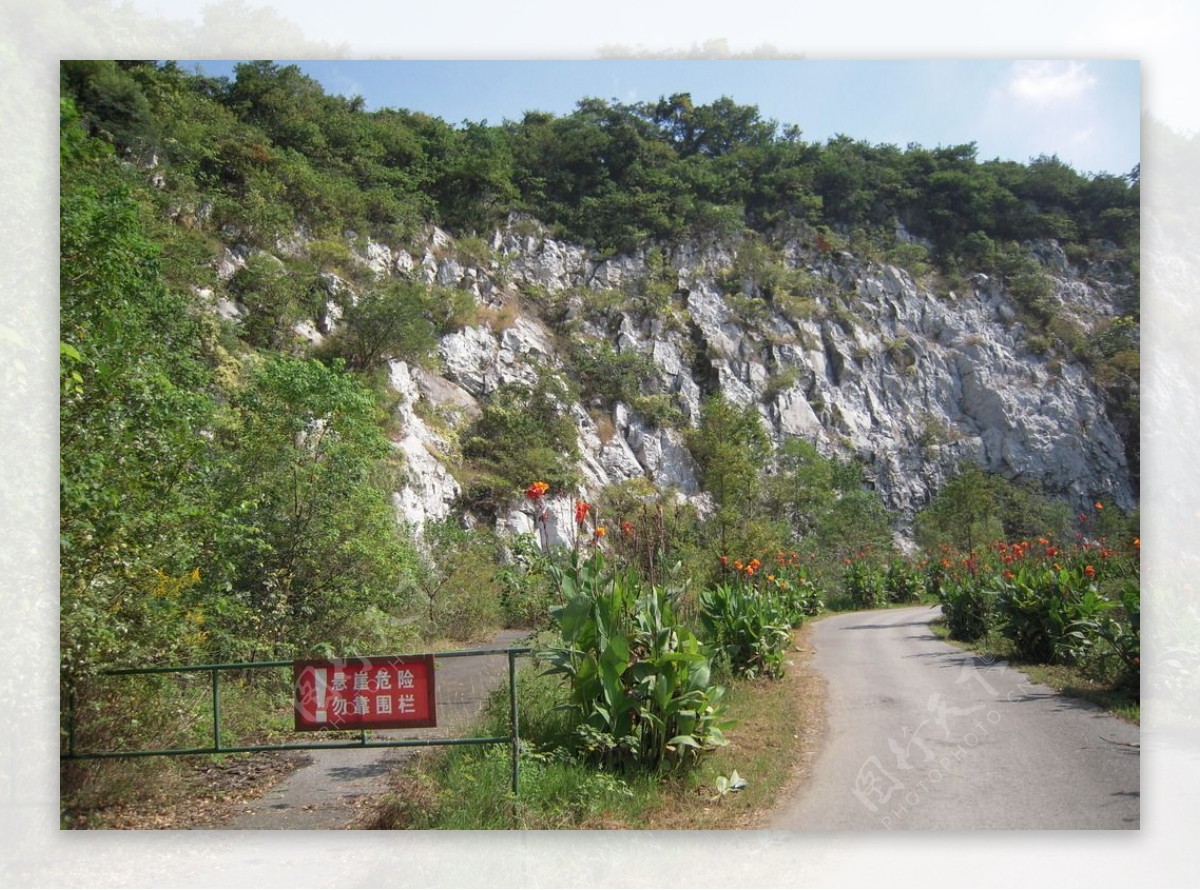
point(1045, 83)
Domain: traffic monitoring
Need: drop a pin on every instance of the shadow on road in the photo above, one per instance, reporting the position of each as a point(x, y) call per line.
point(365, 771)
point(922, 623)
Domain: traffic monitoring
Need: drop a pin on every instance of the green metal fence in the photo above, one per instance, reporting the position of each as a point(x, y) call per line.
point(215, 671)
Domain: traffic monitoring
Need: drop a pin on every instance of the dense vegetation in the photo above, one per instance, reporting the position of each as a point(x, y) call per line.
point(271, 151)
point(226, 488)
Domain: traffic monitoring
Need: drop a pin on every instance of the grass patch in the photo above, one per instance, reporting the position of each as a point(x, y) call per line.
point(1065, 679)
point(771, 744)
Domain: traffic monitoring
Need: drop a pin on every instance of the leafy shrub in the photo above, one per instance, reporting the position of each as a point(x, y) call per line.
point(751, 629)
point(969, 608)
point(1111, 638)
point(459, 584)
point(912, 257)
point(522, 434)
point(864, 584)
point(903, 583)
point(640, 683)
point(1049, 614)
point(527, 588)
point(606, 376)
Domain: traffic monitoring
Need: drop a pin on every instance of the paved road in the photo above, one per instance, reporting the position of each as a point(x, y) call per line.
point(323, 794)
point(922, 735)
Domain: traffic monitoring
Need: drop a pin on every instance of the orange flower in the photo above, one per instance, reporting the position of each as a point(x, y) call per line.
point(737, 564)
point(601, 531)
point(582, 509)
point(1137, 543)
point(537, 490)
point(627, 528)
point(1089, 571)
point(724, 560)
point(1098, 505)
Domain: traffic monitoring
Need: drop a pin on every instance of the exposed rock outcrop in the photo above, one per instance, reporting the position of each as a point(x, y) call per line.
point(877, 365)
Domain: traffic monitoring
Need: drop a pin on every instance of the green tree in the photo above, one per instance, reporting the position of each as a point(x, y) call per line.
point(388, 322)
point(732, 449)
point(963, 514)
point(131, 411)
point(307, 537)
point(273, 298)
point(114, 104)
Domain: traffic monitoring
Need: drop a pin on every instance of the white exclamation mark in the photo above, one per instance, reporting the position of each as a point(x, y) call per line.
point(320, 678)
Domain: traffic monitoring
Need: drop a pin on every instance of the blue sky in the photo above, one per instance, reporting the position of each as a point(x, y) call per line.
point(1086, 112)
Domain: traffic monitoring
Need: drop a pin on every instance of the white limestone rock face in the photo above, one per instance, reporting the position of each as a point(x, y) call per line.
point(910, 380)
point(232, 259)
point(429, 489)
point(554, 526)
point(661, 453)
point(470, 357)
point(545, 262)
point(794, 416)
point(379, 259)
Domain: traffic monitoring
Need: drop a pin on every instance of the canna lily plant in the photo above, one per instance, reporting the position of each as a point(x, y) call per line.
point(640, 683)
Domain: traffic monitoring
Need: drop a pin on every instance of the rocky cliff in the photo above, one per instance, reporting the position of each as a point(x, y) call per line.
point(908, 376)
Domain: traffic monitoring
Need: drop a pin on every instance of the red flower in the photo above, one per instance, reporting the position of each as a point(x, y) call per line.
point(582, 509)
point(536, 491)
point(724, 560)
point(627, 528)
point(1089, 571)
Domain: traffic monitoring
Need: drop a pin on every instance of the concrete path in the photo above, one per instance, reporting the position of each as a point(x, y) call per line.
point(922, 735)
point(325, 792)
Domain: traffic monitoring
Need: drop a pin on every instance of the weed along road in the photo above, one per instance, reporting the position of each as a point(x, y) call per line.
point(923, 735)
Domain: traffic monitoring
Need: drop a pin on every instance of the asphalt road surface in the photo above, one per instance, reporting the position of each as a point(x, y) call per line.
point(922, 735)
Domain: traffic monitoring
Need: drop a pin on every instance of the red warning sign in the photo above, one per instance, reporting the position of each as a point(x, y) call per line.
point(365, 693)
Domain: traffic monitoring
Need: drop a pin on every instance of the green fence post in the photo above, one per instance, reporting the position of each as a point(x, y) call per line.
point(516, 740)
point(216, 697)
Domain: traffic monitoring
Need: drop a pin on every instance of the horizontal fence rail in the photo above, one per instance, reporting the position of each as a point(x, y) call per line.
point(215, 670)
